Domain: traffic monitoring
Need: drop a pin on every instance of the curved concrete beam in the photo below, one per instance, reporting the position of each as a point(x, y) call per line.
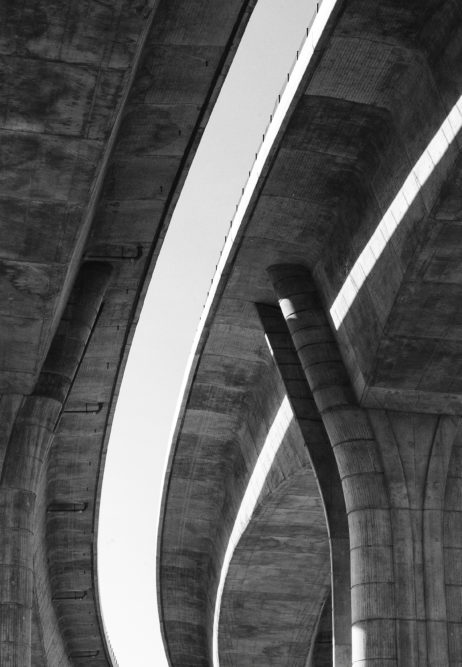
point(105, 106)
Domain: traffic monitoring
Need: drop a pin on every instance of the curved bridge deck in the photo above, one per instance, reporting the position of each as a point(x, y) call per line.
point(103, 108)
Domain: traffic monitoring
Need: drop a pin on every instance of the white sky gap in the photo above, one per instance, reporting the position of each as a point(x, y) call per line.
point(279, 115)
point(260, 472)
point(301, 64)
point(162, 341)
point(298, 71)
point(282, 420)
point(420, 173)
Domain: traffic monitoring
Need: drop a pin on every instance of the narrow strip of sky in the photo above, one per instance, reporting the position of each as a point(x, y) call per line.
point(273, 441)
point(148, 396)
point(394, 215)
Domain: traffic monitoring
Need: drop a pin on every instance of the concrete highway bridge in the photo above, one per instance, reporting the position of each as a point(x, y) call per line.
point(312, 511)
point(337, 416)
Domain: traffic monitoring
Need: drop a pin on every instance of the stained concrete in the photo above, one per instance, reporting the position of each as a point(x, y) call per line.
point(102, 109)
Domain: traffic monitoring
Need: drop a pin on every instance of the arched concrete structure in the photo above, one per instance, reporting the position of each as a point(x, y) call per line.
point(101, 113)
point(273, 626)
point(377, 386)
point(103, 106)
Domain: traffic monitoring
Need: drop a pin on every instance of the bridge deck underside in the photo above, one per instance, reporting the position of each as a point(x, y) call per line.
point(384, 79)
point(103, 106)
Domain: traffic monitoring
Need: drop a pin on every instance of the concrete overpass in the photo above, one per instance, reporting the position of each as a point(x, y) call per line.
point(325, 389)
point(102, 107)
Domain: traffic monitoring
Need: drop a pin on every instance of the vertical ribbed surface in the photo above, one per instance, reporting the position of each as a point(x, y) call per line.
point(453, 553)
point(416, 450)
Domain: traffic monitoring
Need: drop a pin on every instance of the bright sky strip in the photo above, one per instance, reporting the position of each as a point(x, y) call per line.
point(306, 52)
point(300, 67)
point(304, 57)
point(411, 187)
point(260, 472)
point(172, 308)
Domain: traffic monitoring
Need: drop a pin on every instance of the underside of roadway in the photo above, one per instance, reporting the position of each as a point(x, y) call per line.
point(371, 439)
point(102, 107)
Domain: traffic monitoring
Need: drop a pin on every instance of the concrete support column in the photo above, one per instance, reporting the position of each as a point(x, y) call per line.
point(417, 450)
point(402, 480)
point(27, 450)
point(326, 471)
point(359, 465)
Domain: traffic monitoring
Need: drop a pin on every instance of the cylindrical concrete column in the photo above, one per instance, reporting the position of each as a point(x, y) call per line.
point(359, 465)
point(26, 453)
point(326, 471)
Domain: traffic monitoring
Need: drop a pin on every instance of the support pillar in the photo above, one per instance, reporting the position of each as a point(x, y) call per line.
point(26, 454)
point(327, 476)
point(359, 466)
point(402, 479)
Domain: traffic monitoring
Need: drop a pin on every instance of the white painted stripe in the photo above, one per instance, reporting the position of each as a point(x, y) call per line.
point(422, 170)
point(260, 472)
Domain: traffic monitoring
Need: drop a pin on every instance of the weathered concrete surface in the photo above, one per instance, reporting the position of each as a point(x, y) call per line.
point(26, 453)
point(323, 462)
point(384, 78)
point(394, 468)
point(278, 579)
point(102, 108)
point(220, 447)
